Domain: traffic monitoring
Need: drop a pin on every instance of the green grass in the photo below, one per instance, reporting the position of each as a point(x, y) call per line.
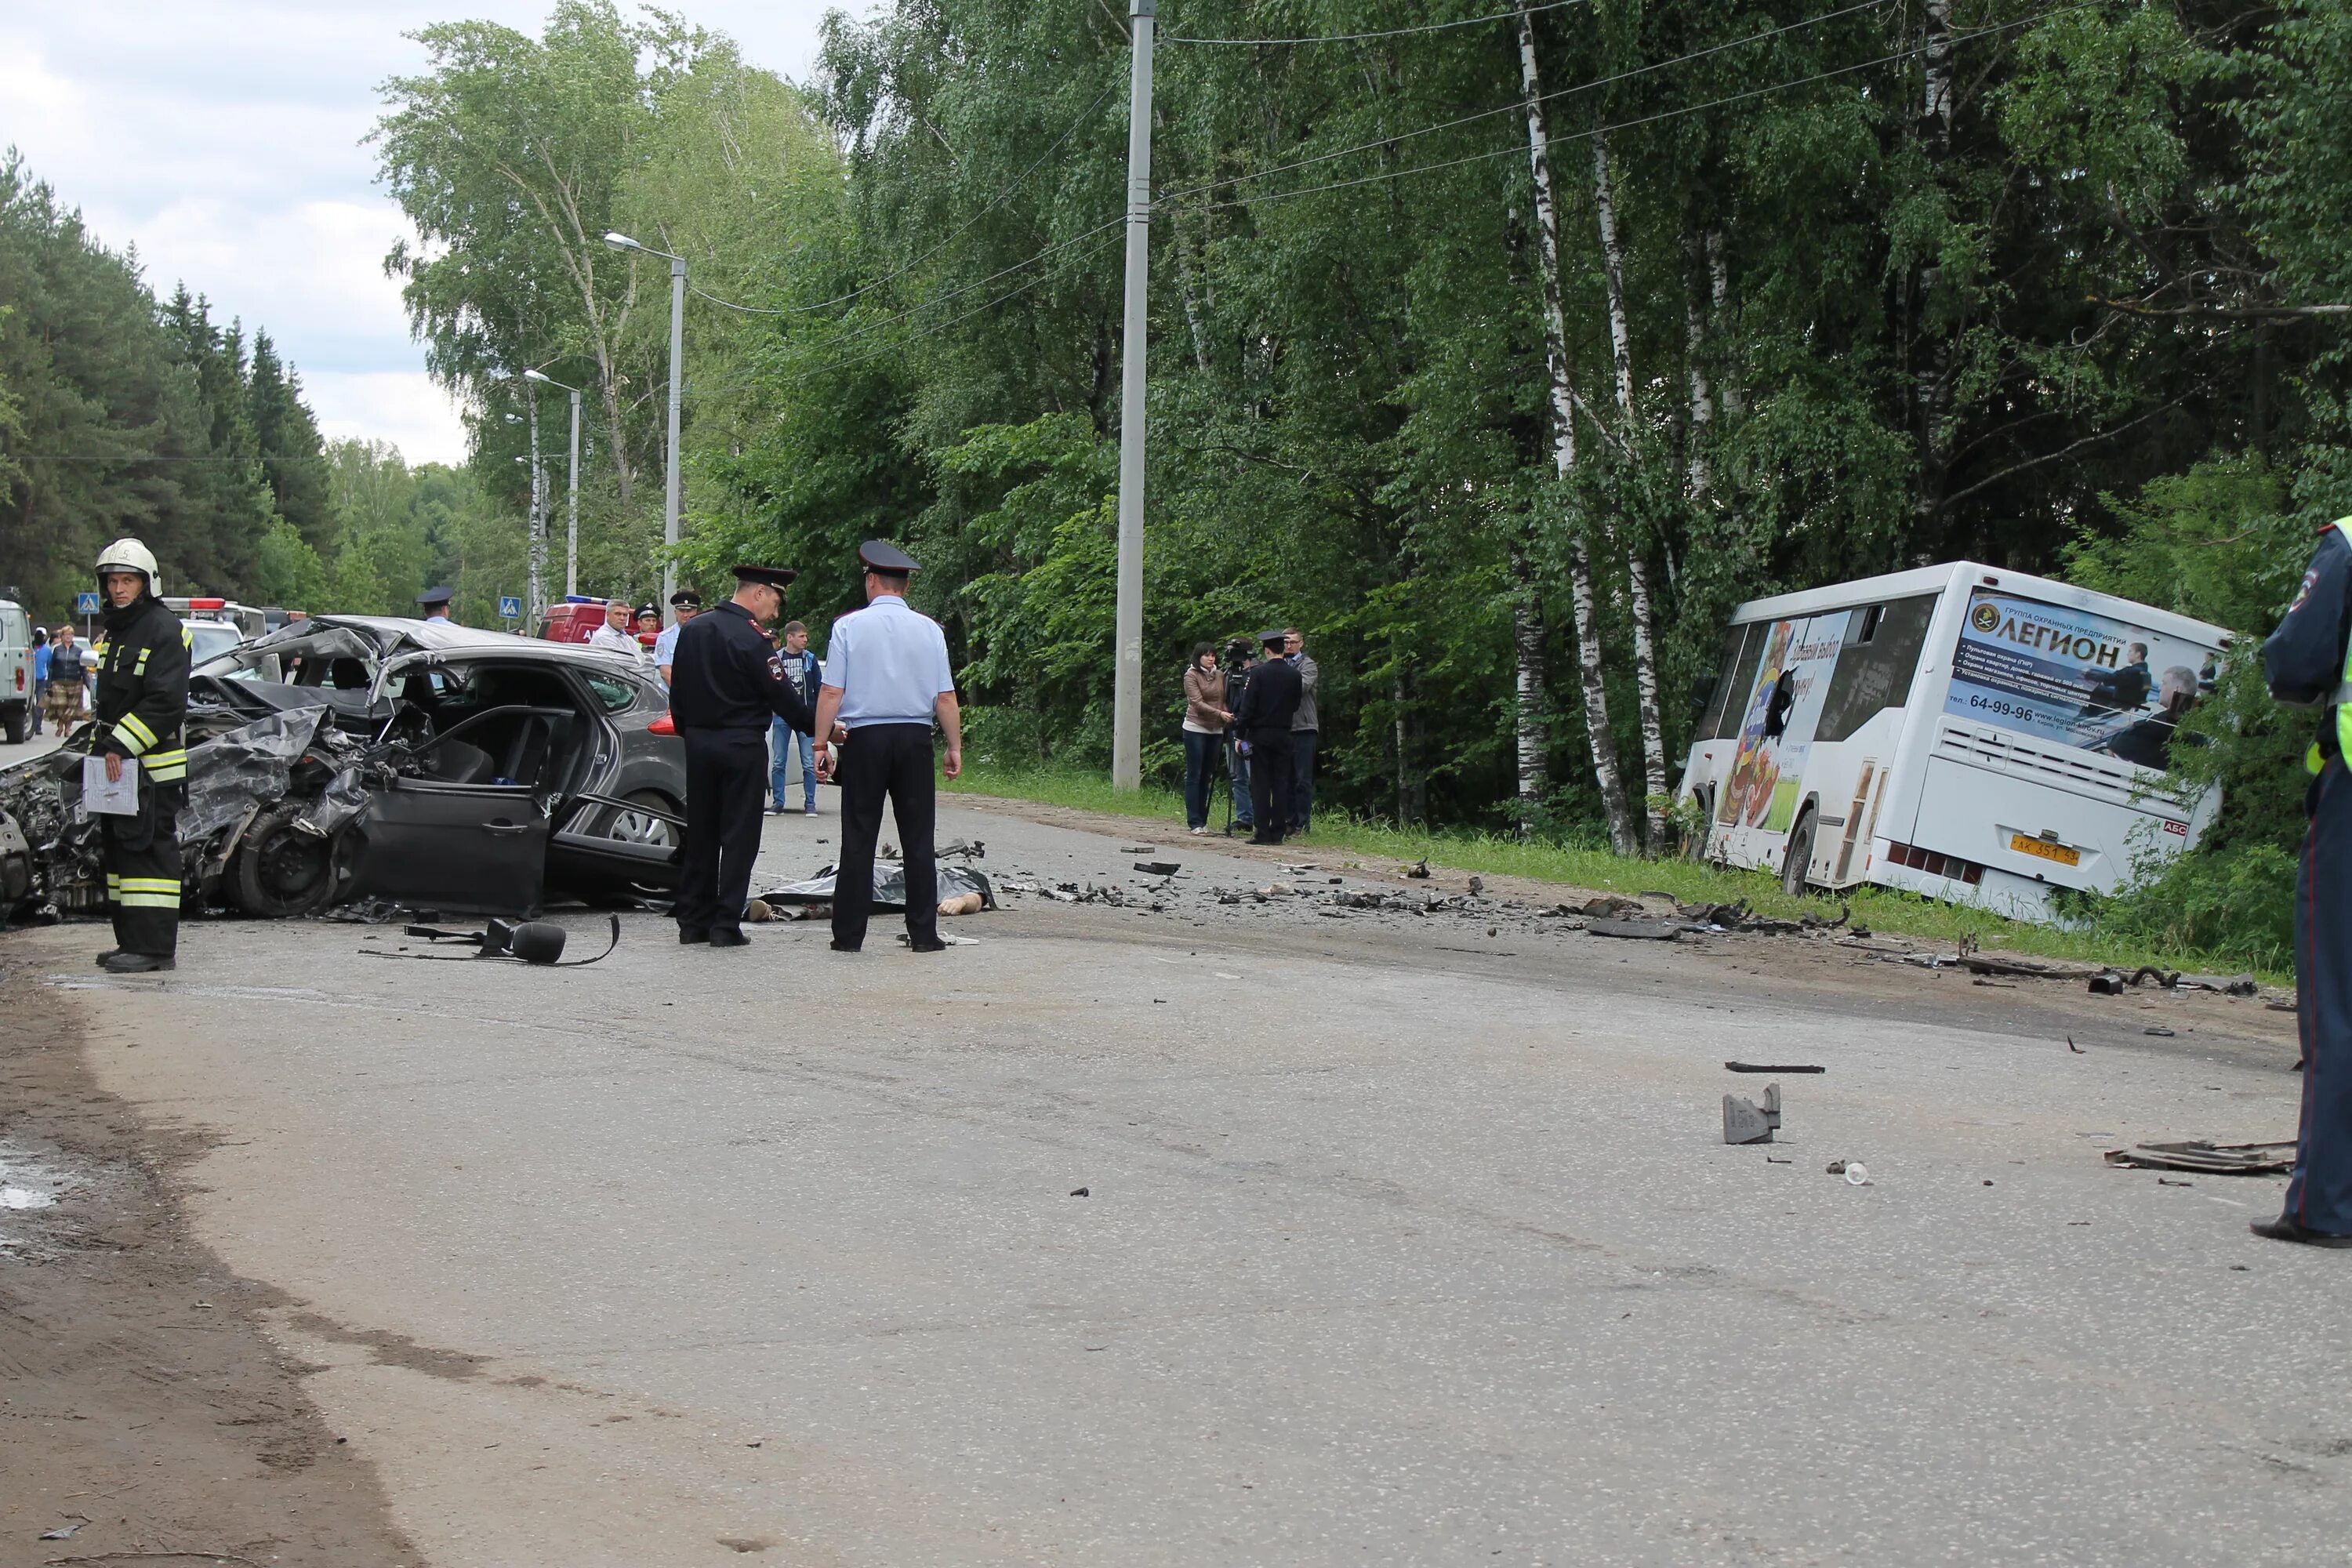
point(1879, 909)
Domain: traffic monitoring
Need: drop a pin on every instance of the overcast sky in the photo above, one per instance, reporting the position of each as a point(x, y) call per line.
point(221, 137)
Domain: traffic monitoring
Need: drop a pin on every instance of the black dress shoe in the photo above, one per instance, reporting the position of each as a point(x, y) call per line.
point(689, 935)
point(934, 945)
point(1264, 840)
point(728, 936)
point(839, 946)
point(128, 962)
point(101, 958)
point(2286, 1229)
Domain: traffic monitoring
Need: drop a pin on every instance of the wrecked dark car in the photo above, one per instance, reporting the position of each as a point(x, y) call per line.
point(486, 774)
point(330, 661)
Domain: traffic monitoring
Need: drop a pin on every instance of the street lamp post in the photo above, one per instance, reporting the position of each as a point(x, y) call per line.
point(676, 371)
point(572, 525)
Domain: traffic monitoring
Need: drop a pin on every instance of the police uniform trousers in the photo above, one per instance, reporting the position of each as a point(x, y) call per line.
point(1272, 777)
point(141, 853)
point(2319, 1194)
point(893, 760)
point(726, 784)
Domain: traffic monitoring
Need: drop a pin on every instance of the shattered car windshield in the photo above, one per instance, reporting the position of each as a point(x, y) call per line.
point(299, 656)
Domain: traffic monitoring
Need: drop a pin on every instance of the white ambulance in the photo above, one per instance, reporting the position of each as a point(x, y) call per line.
point(1974, 734)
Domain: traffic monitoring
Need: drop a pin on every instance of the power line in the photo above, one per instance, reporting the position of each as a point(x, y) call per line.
point(994, 202)
point(1020, 289)
point(1520, 107)
point(1390, 32)
point(977, 283)
point(1649, 119)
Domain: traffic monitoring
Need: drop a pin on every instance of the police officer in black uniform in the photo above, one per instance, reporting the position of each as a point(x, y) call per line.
point(1263, 717)
point(726, 683)
point(142, 702)
point(2304, 663)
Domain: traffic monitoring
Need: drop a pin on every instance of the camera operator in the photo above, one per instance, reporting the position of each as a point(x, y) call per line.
point(1241, 661)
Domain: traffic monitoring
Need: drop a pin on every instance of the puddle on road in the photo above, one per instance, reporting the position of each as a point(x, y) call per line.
point(28, 1185)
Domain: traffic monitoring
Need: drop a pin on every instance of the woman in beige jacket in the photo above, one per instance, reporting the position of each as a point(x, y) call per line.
point(1206, 718)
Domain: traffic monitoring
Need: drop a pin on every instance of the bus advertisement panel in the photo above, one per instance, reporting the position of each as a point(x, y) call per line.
point(1783, 709)
point(2074, 678)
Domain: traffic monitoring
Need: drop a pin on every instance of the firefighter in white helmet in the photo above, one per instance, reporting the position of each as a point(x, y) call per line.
point(142, 702)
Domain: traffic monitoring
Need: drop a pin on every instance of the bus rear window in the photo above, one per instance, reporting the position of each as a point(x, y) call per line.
point(1743, 649)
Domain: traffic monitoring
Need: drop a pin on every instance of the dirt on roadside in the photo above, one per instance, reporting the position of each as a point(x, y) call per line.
point(144, 1413)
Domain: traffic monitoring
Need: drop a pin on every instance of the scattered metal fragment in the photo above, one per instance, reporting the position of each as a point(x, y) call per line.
point(1640, 930)
point(1776, 1160)
point(2158, 1029)
point(962, 849)
point(1081, 1192)
point(2024, 969)
point(1419, 870)
point(1836, 1168)
point(2169, 1181)
point(1759, 1067)
point(1157, 868)
point(2208, 1158)
point(2075, 1048)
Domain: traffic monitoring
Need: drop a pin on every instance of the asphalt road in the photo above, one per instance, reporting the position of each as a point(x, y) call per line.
point(1403, 1244)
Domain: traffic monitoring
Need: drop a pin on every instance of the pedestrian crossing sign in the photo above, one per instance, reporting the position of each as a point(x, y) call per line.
point(85, 603)
point(509, 608)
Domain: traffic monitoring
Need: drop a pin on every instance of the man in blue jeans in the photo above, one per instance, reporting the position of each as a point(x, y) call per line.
point(40, 675)
point(801, 670)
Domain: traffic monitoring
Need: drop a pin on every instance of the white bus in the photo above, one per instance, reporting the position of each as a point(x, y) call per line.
point(1974, 734)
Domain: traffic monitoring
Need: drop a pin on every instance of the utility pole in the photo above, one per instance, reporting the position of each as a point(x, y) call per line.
point(677, 380)
point(538, 526)
point(1126, 692)
point(571, 528)
point(677, 376)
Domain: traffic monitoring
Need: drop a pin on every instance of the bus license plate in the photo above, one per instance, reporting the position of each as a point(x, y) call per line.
point(2044, 849)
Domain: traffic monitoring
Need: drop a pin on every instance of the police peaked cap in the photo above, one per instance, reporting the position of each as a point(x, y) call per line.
point(882, 556)
point(686, 599)
point(777, 577)
point(1273, 635)
point(432, 596)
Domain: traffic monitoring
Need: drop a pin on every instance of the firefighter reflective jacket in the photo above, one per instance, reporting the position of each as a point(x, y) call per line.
point(143, 689)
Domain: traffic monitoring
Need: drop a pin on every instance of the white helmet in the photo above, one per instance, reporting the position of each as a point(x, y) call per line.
point(129, 555)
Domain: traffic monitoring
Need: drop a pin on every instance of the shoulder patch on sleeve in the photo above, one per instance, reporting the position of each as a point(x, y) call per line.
point(776, 667)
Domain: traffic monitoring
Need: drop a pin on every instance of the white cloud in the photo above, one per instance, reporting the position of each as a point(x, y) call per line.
point(222, 139)
point(402, 406)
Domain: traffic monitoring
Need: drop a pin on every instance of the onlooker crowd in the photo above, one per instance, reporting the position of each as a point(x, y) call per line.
point(1214, 695)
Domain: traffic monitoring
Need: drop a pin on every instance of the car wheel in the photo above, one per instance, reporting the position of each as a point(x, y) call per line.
point(642, 827)
point(1798, 859)
point(282, 869)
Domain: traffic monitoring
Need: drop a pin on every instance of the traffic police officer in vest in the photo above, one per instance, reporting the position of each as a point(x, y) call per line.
point(886, 679)
point(2304, 664)
point(727, 683)
point(142, 702)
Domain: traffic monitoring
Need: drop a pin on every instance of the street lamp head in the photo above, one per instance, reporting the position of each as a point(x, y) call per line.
point(622, 242)
point(539, 375)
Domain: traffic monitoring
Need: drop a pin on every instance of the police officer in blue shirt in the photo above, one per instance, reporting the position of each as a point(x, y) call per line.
point(886, 679)
point(728, 683)
point(2304, 664)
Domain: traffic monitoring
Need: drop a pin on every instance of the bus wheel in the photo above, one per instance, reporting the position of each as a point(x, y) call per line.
point(1797, 859)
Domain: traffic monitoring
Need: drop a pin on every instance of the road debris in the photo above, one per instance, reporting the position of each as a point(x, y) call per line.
point(2158, 1029)
point(1419, 869)
point(1158, 868)
point(1759, 1067)
point(2207, 1158)
point(889, 887)
point(531, 941)
point(1639, 931)
point(1744, 1120)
